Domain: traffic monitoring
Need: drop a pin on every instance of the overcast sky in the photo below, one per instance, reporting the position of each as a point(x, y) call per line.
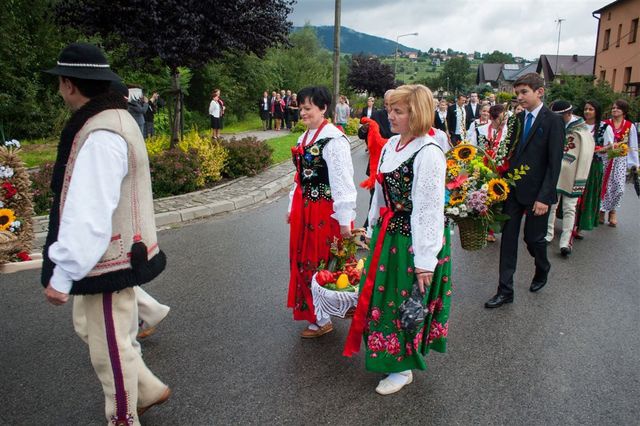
point(522, 27)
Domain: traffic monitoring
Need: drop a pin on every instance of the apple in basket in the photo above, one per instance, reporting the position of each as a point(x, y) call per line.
point(324, 277)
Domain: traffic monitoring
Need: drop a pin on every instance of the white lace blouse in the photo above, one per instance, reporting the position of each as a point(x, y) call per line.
point(337, 155)
point(427, 194)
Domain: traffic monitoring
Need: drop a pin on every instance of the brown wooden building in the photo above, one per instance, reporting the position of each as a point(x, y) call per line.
point(618, 46)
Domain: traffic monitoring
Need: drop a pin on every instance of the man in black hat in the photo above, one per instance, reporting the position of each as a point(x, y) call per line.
point(102, 237)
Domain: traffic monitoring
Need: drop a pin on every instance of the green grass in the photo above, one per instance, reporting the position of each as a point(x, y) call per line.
point(282, 147)
point(251, 122)
point(38, 151)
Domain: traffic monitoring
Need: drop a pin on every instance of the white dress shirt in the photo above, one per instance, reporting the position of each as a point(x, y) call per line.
point(427, 194)
point(85, 223)
point(214, 109)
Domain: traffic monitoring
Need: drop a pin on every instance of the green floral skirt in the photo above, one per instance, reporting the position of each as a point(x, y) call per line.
point(389, 348)
point(591, 198)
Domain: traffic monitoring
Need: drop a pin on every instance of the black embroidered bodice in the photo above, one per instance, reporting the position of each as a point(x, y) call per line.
point(396, 188)
point(312, 171)
point(598, 137)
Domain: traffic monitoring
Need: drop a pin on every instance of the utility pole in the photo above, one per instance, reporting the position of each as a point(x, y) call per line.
point(336, 58)
point(559, 21)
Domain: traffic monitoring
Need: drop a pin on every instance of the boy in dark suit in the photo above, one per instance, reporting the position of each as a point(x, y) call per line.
point(457, 120)
point(539, 145)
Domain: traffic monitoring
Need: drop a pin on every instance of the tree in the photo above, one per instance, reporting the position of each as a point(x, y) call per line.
point(370, 75)
point(182, 33)
point(457, 71)
point(497, 57)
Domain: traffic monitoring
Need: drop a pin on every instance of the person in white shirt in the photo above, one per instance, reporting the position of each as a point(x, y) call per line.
point(101, 244)
point(215, 112)
point(409, 244)
point(322, 204)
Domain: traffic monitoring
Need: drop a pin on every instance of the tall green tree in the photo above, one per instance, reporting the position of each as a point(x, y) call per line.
point(29, 41)
point(181, 33)
point(497, 57)
point(456, 74)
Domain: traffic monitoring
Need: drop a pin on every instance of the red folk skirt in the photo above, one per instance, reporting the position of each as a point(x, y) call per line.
point(312, 232)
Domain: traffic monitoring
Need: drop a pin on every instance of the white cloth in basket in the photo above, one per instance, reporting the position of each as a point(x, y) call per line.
point(329, 303)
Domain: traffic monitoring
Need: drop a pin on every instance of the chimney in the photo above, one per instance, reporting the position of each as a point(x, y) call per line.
point(575, 58)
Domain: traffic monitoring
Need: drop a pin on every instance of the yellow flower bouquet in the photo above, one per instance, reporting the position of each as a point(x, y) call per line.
point(475, 192)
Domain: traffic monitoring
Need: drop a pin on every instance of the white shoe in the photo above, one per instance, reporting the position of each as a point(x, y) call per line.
point(394, 382)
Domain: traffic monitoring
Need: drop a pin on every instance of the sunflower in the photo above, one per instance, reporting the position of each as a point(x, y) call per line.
point(456, 199)
point(464, 152)
point(498, 189)
point(6, 219)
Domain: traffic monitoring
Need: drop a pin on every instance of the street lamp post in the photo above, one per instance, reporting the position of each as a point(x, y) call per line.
point(395, 58)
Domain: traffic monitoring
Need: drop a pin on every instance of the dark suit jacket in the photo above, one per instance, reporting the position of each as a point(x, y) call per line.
point(470, 116)
point(439, 124)
point(364, 112)
point(542, 151)
point(380, 116)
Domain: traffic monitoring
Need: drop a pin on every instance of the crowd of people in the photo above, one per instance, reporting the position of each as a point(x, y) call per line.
point(279, 110)
point(102, 175)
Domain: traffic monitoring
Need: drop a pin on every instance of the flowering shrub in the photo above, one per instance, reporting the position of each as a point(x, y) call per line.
point(212, 156)
point(41, 190)
point(175, 172)
point(247, 157)
point(352, 127)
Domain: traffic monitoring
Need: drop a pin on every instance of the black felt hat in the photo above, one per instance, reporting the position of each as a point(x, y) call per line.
point(561, 107)
point(83, 60)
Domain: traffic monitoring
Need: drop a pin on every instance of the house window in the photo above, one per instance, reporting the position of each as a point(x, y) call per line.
point(627, 76)
point(608, 16)
point(603, 75)
point(613, 79)
point(607, 37)
point(619, 35)
point(633, 33)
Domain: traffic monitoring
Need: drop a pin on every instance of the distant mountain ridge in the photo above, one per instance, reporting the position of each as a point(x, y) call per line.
point(352, 41)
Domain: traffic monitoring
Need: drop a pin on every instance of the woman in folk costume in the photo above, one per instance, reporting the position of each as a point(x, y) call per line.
point(410, 244)
point(615, 170)
point(491, 137)
point(589, 205)
point(483, 120)
point(322, 202)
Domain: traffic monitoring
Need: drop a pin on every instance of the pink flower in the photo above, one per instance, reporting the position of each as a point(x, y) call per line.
point(394, 250)
point(382, 268)
point(417, 340)
point(435, 305)
point(404, 293)
point(409, 270)
point(374, 355)
point(397, 324)
point(438, 331)
point(376, 342)
point(376, 314)
point(381, 288)
point(411, 249)
point(448, 293)
point(445, 279)
point(399, 359)
point(393, 344)
point(408, 347)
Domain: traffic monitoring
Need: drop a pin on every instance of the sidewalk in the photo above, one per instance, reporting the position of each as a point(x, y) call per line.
point(237, 194)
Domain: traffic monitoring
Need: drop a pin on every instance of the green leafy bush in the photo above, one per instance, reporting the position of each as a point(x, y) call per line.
point(40, 187)
point(175, 172)
point(247, 157)
point(352, 126)
point(299, 127)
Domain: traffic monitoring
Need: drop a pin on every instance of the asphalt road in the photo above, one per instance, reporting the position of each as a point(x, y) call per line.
point(569, 355)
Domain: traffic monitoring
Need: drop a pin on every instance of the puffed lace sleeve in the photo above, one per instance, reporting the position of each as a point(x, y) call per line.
point(427, 218)
point(337, 154)
point(632, 157)
point(294, 185)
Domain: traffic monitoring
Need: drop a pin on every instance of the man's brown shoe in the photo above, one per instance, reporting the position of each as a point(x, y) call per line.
point(165, 395)
point(312, 334)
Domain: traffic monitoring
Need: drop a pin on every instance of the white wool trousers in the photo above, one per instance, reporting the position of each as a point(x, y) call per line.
point(568, 220)
point(108, 324)
point(149, 309)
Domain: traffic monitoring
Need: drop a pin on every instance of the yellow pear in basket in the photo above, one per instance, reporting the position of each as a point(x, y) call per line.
point(342, 282)
point(360, 265)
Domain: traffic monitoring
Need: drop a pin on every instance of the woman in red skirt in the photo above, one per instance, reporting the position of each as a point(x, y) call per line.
point(322, 202)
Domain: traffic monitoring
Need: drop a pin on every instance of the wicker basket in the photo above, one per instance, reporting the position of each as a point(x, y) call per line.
point(473, 233)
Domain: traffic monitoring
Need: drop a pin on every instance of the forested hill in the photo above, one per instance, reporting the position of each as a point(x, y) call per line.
point(356, 42)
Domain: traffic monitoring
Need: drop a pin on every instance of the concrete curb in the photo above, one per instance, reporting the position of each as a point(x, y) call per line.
point(234, 195)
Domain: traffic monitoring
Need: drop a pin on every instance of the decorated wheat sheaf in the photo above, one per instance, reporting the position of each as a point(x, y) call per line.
point(16, 209)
